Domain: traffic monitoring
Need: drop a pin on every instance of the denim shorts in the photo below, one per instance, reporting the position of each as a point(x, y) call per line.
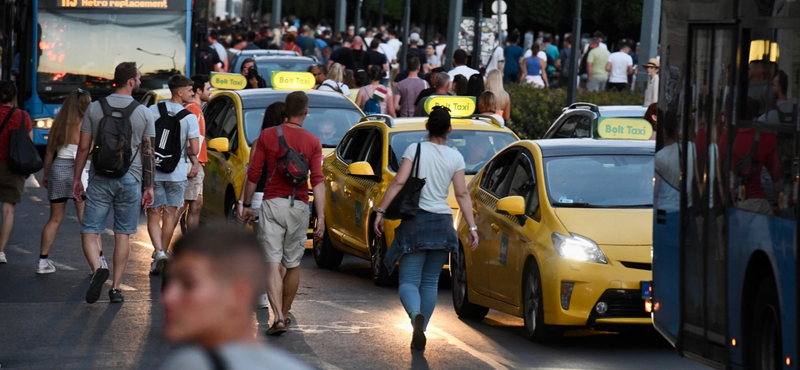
point(168, 193)
point(123, 195)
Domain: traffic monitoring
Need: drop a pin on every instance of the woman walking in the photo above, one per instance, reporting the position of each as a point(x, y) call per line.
point(534, 69)
point(487, 105)
point(384, 94)
point(422, 243)
point(11, 184)
point(59, 167)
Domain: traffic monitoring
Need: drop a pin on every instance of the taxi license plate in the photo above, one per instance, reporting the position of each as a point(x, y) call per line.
point(647, 289)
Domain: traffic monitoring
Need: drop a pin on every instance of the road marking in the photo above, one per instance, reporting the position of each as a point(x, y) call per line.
point(467, 348)
point(18, 249)
point(143, 244)
point(341, 307)
point(122, 287)
point(339, 327)
point(35, 198)
point(63, 266)
point(109, 232)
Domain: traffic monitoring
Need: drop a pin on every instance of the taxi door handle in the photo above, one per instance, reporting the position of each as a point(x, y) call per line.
point(228, 169)
point(329, 177)
point(495, 227)
point(347, 191)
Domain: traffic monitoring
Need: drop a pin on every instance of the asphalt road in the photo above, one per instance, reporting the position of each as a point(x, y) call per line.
point(343, 321)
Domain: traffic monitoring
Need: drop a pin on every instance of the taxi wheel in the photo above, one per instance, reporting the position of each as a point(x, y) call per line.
point(325, 255)
point(463, 307)
point(380, 274)
point(230, 210)
point(533, 307)
point(765, 346)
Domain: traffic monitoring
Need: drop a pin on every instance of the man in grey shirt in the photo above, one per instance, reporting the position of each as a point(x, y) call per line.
point(211, 288)
point(122, 194)
point(442, 85)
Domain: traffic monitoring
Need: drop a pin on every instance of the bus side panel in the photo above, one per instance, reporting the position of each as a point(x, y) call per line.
point(749, 233)
point(666, 298)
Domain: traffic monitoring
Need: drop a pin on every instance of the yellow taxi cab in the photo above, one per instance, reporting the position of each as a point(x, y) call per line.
point(358, 173)
point(233, 121)
point(156, 96)
point(565, 231)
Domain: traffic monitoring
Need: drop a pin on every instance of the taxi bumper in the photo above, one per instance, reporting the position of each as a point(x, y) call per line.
point(582, 293)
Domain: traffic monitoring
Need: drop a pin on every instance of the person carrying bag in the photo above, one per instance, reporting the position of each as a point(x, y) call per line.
point(23, 158)
point(425, 237)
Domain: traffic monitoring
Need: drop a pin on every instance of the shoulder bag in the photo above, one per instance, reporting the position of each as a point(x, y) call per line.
point(23, 158)
point(406, 203)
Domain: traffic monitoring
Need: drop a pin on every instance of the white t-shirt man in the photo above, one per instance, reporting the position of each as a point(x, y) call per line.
point(234, 356)
point(619, 67)
point(462, 70)
point(189, 130)
point(496, 58)
point(437, 165)
point(602, 45)
point(223, 55)
point(331, 85)
point(395, 44)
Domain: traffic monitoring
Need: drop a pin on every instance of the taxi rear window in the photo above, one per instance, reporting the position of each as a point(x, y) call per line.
point(327, 124)
point(477, 147)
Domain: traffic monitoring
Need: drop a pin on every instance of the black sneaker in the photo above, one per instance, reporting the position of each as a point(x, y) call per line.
point(96, 284)
point(115, 295)
point(418, 338)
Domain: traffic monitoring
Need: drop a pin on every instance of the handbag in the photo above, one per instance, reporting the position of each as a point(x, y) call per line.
point(406, 203)
point(23, 158)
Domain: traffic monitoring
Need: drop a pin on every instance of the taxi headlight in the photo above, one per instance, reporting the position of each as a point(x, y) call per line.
point(578, 248)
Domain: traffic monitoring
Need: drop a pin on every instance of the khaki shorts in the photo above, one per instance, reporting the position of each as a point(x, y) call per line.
point(194, 186)
point(12, 185)
point(282, 231)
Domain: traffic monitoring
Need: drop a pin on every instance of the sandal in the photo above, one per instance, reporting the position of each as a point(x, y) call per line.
point(274, 330)
point(287, 321)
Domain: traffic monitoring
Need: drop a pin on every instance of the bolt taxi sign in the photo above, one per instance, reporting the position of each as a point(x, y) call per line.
point(292, 80)
point(460, 106)
point(228, 81)
point(624, 128)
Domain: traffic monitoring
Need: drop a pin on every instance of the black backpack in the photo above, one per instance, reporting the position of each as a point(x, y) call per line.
point(334, 87)
point(112, 153)
point(23, 158)
point(292, 165)
point(168, 146)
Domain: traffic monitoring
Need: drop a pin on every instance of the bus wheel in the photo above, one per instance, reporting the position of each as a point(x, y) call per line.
point(765, 344)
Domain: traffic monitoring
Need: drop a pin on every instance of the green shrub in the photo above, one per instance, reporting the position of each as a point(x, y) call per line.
point(534, 110)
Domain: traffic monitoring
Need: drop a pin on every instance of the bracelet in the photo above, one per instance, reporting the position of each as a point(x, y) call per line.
point(380, 211)
point(240, 201)
point(473, 228)
point(246, 205)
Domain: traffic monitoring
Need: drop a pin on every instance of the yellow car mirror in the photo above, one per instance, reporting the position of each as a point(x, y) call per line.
point(513, 205)
point(220, 144)
point(360, 169)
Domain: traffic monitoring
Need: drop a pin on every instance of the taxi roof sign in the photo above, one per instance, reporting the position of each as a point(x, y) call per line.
point(227, 81)
point(283, 80)
point(460, 106)
point(624, 128)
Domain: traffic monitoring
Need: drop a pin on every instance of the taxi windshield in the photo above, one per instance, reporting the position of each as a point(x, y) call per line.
point(600, 181)
point(71, 40)
point(477, 147)
point(327, 124)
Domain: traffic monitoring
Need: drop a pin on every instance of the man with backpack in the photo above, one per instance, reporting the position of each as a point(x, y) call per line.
point(114, 127)
point(290, 153)
point(175, 127)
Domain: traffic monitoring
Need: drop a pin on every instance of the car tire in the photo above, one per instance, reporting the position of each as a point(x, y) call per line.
point(325, 255)
point(230, 209)
point(765, 345)
point(380, 273)
point(458, 277)
point(533, 304)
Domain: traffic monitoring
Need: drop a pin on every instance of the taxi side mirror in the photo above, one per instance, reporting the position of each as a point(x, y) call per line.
point(512, 206)
point(361, 169)
point(220, 144)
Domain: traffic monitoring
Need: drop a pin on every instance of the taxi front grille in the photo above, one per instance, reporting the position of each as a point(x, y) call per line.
point(621, 303)
point(637, 265)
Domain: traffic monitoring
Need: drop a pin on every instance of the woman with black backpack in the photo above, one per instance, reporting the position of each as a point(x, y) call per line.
point(11, 184)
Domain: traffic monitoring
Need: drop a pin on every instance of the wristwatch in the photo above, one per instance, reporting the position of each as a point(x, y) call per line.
point(473, 228)
point(380, 211)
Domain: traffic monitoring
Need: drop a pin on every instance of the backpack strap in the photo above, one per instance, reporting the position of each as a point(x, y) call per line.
point(128, 111)
point(415, 165)
point(162, 109)
point(107, 109)
point(182, 114)
point(8, 117)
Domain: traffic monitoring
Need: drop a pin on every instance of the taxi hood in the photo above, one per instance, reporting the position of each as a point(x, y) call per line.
point(609, 226)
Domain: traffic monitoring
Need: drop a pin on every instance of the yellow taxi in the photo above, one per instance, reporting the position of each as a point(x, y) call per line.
point(358, 172)
point(565, 231)
point(233, 122)
point(156, 96)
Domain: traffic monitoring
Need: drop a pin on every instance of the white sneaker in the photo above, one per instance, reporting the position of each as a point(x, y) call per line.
point(103, 262)
point(45, 266)
point(159, 258)
point(3, 258)
point(264, 301)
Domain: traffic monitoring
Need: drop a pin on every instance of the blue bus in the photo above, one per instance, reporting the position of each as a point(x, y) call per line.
point(75, 44)
point(725, 272)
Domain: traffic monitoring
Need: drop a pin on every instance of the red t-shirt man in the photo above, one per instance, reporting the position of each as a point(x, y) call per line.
point(13, 124)
point(195, 108)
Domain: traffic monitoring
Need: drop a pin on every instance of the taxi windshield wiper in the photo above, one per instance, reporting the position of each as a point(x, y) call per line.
point(575, 205)
point(630, 206)
point(329, 145)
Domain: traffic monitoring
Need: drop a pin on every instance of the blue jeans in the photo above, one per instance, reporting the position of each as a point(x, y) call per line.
point(123, 195)
point(419, 281)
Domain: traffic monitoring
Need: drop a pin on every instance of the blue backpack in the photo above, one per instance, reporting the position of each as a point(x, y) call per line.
point(372, 106)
